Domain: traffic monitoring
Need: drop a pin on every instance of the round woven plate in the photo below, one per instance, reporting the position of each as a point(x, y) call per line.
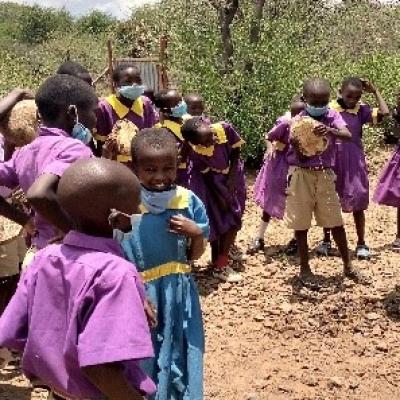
point(124, 131)
point(9, 230)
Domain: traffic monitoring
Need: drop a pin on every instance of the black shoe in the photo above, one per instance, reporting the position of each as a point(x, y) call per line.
point(257, 245)
point(291, 248)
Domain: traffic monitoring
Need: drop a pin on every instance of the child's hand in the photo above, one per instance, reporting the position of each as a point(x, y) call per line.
point(368, 87)
point(321, 130)
point(110, 148)
point(151, 313)
point(24, 94)
point(184, 226)
point(30, 227)
point(119, 220)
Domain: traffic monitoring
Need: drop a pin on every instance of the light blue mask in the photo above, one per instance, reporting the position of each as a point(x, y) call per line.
point(81, 133)
point(316, 111)
point(131, 92)
point(157, 202)
point(121, 236)
point(179, 110)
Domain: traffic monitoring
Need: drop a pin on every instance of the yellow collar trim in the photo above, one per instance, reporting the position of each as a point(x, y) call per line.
point(220, 139)
point(121, 110)
point(179, 202)
point(174, 127)
point(337, 107)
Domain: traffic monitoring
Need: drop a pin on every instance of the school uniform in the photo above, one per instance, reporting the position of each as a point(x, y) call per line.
point(350, 167)
point(161, 258)
point(79, 304)
point(210, 169)
point(311, 180)
point(52, 152)
point(270, 185)
point(110, 110)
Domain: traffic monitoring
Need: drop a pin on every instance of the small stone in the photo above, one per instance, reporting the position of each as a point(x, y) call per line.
point(252, 396)
point(259, 318)
point(382, 347)
point(372, 316)
point(336, 382)
point(354, 385)
point(286, 307)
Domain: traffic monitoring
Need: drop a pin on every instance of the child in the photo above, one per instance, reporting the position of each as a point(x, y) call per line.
point(67, 107)
point(173, 112)
point(350, 165)
point(311, 188)
point(271, 182)
point(172, 232)
point(215, 154)
point(128, 103)
point(75, 69)
point(387, 190)
point(78, 315)
point(195, 105)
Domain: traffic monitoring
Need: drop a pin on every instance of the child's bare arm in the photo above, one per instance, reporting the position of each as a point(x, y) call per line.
point(8, 102)
point(383, 107)
point(43, 198)
point(233, 163)
point(110, 380)
point(17, 215)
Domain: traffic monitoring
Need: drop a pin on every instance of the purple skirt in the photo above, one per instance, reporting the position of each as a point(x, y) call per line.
point(221, 221)
point(388, 189)
point(270, 186)
point(352, 182)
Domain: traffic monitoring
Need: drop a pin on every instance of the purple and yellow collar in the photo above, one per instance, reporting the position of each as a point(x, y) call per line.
point(121, 110)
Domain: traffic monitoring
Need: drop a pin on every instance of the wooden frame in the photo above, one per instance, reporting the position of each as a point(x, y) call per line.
point(159, 61)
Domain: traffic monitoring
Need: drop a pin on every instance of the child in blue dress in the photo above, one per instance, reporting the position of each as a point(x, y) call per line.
point(171, 232)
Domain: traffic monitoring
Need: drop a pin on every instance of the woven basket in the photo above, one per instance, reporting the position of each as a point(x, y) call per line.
point(9, 230)
point(124, 131)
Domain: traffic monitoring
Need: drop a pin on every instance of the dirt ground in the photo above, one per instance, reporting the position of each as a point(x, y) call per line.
point(270, 339)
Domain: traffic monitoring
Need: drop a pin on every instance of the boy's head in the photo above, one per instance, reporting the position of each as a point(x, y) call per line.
point(111, 184)
point(155, 158)
point(75, 69)
point(149, 93)
point(127, 81)
point(316, 93)
point(195, 104)
point(351, 91)
point(170, 102)
point(297, 105)
point(64, 100)
point(198, 132)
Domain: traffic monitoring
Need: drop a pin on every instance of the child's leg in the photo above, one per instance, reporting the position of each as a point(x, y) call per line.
point(258, 242)
point(359, 221)
point(214, 250)
point(227, 241)
point(302, 245)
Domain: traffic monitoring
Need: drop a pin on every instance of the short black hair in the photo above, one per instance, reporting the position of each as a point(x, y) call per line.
point(316, 83)
point(190, 128)
point(60, 91)
point(123, 66)
point(156, 138)
point(72, 68)
point(352, 81)
point(159, 98)
point(196, 96)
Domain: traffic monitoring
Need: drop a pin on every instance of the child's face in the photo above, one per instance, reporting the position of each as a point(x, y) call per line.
point(86, 116)
point(172, 99)
point(351, 95)
point(317, 97)
point(205, 136)
point(195, 107)
point(129, 77)
point(156, 169)
point(296, 108)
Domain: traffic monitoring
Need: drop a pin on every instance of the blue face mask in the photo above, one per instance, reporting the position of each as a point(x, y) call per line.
point(79, 131)
point(121, 236)
point(131, 92)
point(316, 111)
point(157, 202)
point(180, 110)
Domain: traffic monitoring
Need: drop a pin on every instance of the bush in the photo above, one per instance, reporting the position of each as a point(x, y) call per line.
point(95, 23)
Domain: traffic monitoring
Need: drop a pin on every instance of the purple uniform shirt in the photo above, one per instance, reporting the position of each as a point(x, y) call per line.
point(332, 119)
point(4, 190)
point(52, 152)
point(79, 304)
point(110, 110)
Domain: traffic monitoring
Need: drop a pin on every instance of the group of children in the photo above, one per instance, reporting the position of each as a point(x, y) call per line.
point(107, 306)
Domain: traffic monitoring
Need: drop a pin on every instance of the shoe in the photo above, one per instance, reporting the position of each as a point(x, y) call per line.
point(291, 248)
point(227, 274)
point(236, 255)
point(362, 252)
point(396, 245)
point(256, 246)
point(324, 249)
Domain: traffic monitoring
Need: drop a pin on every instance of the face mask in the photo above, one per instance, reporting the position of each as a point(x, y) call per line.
point(157, 202)
point(121, 236)
point(80, 132)
point(180, 110)
point(316, 111)
point(131, 92)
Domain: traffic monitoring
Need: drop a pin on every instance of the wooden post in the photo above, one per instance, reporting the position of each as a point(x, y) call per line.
point(110, 65)
point(163, 61)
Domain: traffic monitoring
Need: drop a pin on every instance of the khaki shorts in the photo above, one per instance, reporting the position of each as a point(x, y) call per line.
point(11, 256)
point(312, 192)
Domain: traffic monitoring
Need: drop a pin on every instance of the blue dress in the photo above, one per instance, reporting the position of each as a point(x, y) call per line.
point(178, 340)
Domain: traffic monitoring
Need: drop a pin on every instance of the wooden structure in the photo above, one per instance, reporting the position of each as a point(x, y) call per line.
point(153, 69)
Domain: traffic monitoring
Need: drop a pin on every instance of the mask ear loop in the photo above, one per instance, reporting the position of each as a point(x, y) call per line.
point(73, 107)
